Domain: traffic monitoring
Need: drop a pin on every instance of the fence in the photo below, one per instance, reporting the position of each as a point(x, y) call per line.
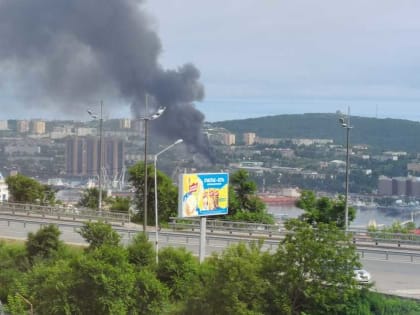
point(63, 213)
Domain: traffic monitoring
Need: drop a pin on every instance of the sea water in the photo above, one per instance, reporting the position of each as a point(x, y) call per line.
point(364, 217)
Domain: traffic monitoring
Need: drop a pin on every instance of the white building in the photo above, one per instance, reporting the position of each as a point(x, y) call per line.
point(4, 190)
point(3, 125)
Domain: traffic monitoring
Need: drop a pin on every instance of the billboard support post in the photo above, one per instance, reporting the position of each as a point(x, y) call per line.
point(203, 228)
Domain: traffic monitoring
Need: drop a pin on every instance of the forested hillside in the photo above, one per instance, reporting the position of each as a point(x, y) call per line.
point(382, 134)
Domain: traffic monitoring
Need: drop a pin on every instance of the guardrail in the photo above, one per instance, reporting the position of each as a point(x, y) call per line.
point(413, 257)
point(219, 241)
point(63, 213)
point(278, 230)
point(227, 226)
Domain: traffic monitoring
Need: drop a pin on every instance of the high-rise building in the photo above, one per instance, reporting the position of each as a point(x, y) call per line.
point(4, 190)
point(385, 186)
point(4, 125)
point(125, 123)
point(415, 187)
point(399, 186)
point(228, 138)
point(82, 156)
point(22, 126)
point(249, 138)
point(38, 127)
point(113, 156)
point(137, 125)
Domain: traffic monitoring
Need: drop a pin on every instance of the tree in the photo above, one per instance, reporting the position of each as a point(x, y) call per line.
point(167, 194)
point(48, 197)
point(151, 296)
point(103, 281)
point(324, 209)
point(244, 189)
point(230, 283)
point(141, 252)
point(49, 286)
point(13, 265)
point(244, 204)
point(43, 244)
point(313, 269)
point(27, 190)
point(98, 234)
point(177, 269)
point(120, 204)
point(90, 198)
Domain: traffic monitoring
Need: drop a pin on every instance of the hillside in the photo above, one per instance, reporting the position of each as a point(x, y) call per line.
point(382, 134)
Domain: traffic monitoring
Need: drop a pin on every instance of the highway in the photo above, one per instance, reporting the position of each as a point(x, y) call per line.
point(393, 277)
point(394, 271)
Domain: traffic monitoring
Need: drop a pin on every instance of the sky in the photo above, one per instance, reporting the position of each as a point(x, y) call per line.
point(269, 57)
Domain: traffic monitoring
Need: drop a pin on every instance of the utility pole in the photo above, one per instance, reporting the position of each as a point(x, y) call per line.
point(101, 151)
point(100, 159)
point(146, 119)
point(145, 169)
point(345, 123)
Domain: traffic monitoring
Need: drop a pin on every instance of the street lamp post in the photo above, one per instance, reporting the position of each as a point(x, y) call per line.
point(345, 123)
point(146, 119)
point(156, 197)
point(94, 116)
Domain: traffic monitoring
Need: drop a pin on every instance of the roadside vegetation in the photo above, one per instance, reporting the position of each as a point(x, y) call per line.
point(310, 273)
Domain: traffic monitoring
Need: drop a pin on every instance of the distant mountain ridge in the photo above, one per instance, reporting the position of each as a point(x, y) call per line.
point(380, 134)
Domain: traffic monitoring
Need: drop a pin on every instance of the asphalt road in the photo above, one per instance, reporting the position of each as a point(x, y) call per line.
point(393, 277)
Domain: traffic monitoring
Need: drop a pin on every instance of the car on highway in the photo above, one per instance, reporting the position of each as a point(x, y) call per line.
point(362, 276)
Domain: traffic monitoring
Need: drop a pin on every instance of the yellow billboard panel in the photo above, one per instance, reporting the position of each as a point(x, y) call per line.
point(203, 194)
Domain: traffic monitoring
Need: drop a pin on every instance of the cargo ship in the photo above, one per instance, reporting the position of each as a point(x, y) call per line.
point(272, 199)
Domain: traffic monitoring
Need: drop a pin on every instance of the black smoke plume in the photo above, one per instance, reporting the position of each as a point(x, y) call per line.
point(60, 53)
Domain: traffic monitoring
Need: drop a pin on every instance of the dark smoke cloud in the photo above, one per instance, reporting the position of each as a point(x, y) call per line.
point(62, 53)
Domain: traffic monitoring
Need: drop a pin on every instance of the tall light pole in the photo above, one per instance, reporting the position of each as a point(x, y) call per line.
point(345, 123)
point(94, 116)
point(146, 119)
point(156, 197)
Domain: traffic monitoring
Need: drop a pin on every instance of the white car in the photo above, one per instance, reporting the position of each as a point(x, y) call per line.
point(362, 276)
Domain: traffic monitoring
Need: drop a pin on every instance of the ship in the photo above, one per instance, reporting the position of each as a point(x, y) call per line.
point(273, 199)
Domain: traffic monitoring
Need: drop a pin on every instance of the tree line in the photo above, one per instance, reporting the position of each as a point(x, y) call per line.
point(379, 134)
point(311, 272)
point(244, 204)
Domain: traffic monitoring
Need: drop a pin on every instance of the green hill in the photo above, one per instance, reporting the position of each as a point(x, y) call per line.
point(382, 134)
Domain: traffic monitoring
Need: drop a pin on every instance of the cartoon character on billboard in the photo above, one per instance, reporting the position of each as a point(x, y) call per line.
point(190, 199)
point(203, 194)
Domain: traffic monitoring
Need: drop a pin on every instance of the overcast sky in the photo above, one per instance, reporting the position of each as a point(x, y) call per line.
point(265, 57)
point(262, 57)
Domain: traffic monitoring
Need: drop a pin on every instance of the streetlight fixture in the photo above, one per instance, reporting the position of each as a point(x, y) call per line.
point(146, 119)
point(156, 197)
point(345, 123)
point(95, 116)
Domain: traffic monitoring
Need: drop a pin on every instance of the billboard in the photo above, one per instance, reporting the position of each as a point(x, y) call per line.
point(203, 194)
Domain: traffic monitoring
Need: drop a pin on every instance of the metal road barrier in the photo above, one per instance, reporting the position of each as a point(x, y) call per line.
point(63, 213)
point(227, 226)
point(359, 236)
point(413, 257)
point(216, 241)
